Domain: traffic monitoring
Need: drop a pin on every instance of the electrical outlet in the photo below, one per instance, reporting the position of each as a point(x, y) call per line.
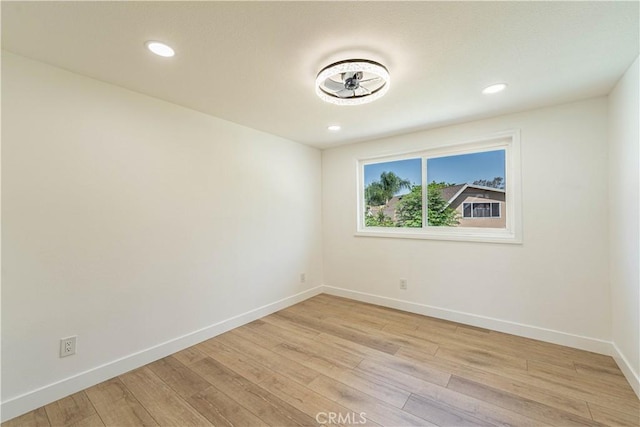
point(303, 277)
point(68, 346)
point(403, 284)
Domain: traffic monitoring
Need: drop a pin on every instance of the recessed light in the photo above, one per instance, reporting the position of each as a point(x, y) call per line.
point(498, 87)
point(334, 128)
point(160, 49)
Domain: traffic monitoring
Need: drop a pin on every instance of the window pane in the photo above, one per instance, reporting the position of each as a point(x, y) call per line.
point(467, 210)
point(481, 210)
point(463, 189)
point(393, 194)
point(495, 210)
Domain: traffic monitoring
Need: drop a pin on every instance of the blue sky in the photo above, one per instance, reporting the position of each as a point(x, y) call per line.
point(460, 169)
point(466, 168)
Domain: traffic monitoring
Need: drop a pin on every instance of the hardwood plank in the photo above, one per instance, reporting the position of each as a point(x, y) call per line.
point(325, 311)
point(371, 385)
point(307, 400)
point(315, 355)
point(520, 387)
point(599, 371)
point(337, 357)
point(268, 407)
point(92, 421)
point(255, 337)
point(479, 341)
point(439, 413)
point(177, 376)
point(117, 406)
point(571, 378)
point(613, 418)
point(554, 350)
point(36, 418)
point(529, 408)
point(189, 355)
point(221, 410)
point(482, 359)
point(341, 332)
point(424, 371)
point(475, 408)
point(560, 388)
point(241, 364)
point(268, 358)
point(292, 327)
point(334, 300)
point(70, 410)
point(474, 331)
point(606, 374)
point(373, 409)
point(164, 404)
point(282, 329)
point(396, 339)
point(308, 350)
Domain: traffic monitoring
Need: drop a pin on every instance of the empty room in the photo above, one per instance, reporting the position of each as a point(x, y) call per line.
point(320, 213)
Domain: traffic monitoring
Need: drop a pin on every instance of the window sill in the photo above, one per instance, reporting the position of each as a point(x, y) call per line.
point(467, 235)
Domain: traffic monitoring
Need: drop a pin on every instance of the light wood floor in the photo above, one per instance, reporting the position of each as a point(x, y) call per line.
point(330, 355)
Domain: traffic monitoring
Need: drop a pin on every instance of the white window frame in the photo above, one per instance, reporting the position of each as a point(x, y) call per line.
point(512, 233)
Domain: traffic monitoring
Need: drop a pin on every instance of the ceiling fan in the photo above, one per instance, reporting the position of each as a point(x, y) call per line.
point(352, 82)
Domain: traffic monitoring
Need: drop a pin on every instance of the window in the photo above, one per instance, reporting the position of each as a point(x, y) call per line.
point(459, 192)
point(481, 210)
point(392, 194)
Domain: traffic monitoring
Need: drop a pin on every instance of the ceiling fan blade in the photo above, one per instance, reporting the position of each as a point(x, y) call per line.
point(333, 85)
point(345, 93)
point(370, 80)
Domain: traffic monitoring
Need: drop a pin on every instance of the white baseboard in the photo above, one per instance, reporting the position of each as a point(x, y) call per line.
point(627, 369)
point(34, 399)
point(528, 331)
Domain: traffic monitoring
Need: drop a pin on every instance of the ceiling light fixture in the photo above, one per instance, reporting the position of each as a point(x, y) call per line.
point(498, 87)
point(334, 128)
point(160, 49)
point(352, 82)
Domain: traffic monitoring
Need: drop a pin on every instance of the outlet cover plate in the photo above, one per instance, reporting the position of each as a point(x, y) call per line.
point(68, 346)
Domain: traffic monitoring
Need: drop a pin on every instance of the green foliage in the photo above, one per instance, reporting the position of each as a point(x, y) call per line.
point(410, 208)
point(497, 182)
point(380, 192)
point(439, 213)
point(374, 194)
point(391, 184)
point(378, 220)
point(438, 185)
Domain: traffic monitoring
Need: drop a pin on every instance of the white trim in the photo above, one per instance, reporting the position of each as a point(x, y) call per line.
point(464, 187)
point(464, 234)
point(26, 402)
point(632, 377)
point(528, 331)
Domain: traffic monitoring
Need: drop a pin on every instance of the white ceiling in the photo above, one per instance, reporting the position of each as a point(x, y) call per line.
point(254, 63)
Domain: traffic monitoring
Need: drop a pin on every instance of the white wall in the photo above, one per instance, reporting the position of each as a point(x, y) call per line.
point(130, 222)
point(555, 286)
point(624, 221)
